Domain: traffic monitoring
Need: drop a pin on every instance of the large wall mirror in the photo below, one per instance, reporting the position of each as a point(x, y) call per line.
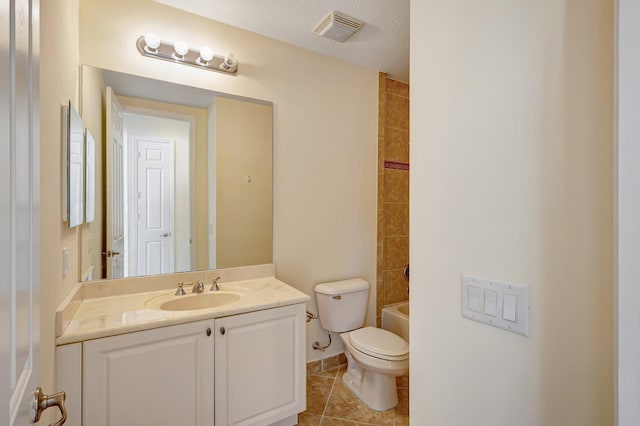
point(183, 177)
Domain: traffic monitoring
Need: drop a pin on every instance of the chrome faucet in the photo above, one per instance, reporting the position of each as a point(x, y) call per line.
point(214, 285)
point(198, 287)
point(180, 290)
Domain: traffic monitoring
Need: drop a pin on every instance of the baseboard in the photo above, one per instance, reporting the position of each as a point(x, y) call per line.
point(329, 363)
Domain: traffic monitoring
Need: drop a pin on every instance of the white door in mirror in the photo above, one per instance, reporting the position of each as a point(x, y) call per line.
point(155, 206)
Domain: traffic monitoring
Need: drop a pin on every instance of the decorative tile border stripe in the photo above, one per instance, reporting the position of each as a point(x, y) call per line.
point(329, 363)
point(396, 166)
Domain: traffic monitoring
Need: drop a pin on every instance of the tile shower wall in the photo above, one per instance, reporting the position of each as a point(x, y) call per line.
point(393, 191)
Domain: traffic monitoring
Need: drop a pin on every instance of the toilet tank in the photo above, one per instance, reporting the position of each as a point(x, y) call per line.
point(342, 305)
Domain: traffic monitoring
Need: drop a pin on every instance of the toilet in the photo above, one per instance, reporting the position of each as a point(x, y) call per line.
point(375, 357)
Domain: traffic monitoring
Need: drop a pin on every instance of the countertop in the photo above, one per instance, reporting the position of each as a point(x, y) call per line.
point(111, 315)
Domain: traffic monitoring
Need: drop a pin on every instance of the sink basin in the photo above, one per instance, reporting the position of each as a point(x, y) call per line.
point(190, 302)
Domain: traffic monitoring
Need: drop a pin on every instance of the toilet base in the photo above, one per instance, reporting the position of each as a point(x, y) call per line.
point(377, 390)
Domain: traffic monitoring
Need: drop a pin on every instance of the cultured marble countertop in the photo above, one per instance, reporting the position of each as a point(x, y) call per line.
point(118, 314)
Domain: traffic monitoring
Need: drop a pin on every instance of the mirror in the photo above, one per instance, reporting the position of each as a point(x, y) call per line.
point(73, 197)
point(183, 177)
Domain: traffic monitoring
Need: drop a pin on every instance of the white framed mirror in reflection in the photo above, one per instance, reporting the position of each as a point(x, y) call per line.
point(183, 177)
point(73, 167)
point(90, 176)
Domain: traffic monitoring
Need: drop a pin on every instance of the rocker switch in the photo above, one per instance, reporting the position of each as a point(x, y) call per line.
point(491, 303)
point(509, 307)
point(474, 298)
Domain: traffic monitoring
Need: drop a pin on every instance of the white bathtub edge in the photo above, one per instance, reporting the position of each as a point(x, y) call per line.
point(395, 321)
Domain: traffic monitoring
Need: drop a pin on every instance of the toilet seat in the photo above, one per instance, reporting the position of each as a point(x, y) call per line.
point(379, 343)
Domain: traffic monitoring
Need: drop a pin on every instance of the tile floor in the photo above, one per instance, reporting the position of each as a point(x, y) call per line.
point(331, 403)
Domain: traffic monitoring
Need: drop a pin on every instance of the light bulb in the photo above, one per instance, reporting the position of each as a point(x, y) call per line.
point(181, 48)
point(206, 54)
point(151, 41)
point(230, 62)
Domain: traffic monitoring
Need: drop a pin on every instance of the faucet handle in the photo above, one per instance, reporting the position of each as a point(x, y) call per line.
point(214, 284)
point(198, 287)
point(180, 290)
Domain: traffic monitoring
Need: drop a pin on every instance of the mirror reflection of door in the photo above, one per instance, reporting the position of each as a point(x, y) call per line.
point(158, 187)
point(149, 203)
point(115, 188)
point(154, 188)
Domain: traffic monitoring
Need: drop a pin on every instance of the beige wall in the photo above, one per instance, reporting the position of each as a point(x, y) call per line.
point(243, 206)
point(511, 178)
point(58, 84)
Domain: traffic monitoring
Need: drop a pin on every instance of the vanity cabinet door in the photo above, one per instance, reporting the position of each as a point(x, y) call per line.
point(260, 367)
point(162, 376)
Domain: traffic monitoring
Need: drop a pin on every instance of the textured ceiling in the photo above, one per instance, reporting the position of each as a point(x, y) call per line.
point(382, 44)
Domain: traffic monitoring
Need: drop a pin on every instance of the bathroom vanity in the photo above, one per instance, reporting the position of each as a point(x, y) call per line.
point(124, 360)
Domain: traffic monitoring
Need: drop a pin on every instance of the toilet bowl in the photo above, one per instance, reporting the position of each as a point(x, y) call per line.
point(375, 357)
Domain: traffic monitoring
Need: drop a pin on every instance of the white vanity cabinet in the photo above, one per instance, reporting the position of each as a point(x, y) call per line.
point(245, 369)
point(260, 372)
point(162, 376)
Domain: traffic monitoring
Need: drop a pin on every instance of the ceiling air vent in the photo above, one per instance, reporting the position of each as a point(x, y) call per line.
point(338, 26)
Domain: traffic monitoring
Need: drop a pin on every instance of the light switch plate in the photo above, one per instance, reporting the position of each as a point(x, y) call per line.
point(65, 262)
point(493, 310)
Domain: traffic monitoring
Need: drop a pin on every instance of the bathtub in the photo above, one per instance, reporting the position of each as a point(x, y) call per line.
point(395, 318)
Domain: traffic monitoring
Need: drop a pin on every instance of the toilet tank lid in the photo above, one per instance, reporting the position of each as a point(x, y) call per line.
point(342, 287)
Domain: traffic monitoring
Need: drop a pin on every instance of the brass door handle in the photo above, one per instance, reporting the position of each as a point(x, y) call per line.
point(110, 253)
point(41, 402)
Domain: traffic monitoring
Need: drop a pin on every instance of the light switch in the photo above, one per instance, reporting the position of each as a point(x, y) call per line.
point(473, 297)
point(509, 307)
point(496, 303)
point(65, 262)
point(491, 303)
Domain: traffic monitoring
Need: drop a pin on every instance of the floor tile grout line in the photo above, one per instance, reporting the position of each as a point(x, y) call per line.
point(350, 421)
point(329, 397)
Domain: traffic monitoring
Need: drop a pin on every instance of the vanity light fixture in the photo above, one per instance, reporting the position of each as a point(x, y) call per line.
point(179, 52)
